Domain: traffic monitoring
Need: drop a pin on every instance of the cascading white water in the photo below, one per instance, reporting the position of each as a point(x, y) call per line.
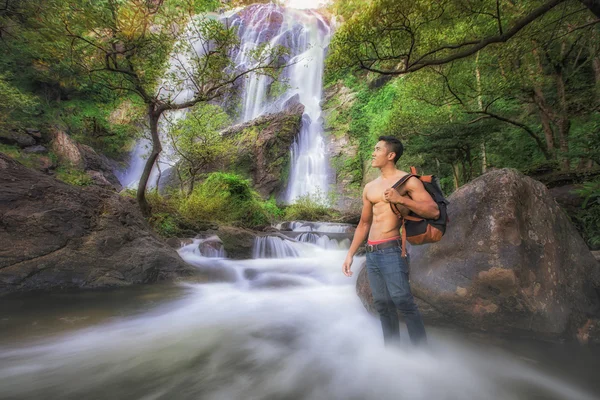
point(323, 241)
point(319, 233)
point(289, 329)
point(210, 247)
point(306, 35)
point(274, 247)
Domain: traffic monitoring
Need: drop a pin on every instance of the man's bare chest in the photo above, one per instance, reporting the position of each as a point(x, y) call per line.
point(376, 190)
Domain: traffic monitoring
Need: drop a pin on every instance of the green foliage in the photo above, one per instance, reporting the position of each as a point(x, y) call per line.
point(28, 160)
point(14, 105)
point(197, 141)
point(73, 176)
point(310, 208)
point(588, 218)
point(109, 127)
point(227, 198)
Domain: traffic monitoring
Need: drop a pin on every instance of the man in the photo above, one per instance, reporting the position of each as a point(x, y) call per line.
point(386, 268)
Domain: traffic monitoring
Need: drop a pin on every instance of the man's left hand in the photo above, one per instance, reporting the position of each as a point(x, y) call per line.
point(392, 196)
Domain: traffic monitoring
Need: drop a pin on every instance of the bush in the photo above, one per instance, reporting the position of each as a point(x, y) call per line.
point(228, 198)
point(73, 176)
point(14, 152)
point(588, 218)
point(310, 208)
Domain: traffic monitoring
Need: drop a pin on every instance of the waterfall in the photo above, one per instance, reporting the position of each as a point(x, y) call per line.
point(306, 35)
point(274, 247)
point(329, 236)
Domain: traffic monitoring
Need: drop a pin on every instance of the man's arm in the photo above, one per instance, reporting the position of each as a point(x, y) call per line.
point(361, 233)
point(418, 200)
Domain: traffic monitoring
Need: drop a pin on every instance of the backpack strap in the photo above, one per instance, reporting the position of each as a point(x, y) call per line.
point(401, 182)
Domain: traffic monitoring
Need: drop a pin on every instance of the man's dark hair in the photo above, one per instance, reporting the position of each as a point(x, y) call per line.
point(393, 144)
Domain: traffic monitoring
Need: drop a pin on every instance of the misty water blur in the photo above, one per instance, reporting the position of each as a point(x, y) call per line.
point(293, 328)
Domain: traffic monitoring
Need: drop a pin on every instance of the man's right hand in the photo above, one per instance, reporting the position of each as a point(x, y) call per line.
point(346, 267)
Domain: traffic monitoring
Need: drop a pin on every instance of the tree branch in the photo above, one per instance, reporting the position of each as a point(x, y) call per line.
point(527, 129)
point(475, 45)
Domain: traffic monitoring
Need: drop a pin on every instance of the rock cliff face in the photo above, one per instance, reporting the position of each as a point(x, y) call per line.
point(510, 262)
point(54, 235)
point(341, 148)
point(264, 149)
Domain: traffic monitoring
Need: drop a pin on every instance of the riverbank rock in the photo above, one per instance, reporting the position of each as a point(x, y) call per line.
point(55, 235)
point(264, 149)
point(237, 242)
point(511, 262)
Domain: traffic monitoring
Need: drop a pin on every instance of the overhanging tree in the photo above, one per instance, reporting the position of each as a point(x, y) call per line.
point(127, 45)
point(397, 37)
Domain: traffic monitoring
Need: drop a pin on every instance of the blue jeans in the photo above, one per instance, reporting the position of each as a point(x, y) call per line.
point(388, 277)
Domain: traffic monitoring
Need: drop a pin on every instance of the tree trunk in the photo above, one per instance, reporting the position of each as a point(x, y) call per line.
point(455, 173)
point(154, 116)
point(192, 181)
point(540, 101)
point(181, 184)
point(158, 177)
point(480, 104)
point(564, 124)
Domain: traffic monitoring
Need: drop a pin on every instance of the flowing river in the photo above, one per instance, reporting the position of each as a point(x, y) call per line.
point(280, 328)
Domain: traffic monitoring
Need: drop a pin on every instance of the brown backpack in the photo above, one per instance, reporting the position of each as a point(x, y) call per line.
point(416, 229)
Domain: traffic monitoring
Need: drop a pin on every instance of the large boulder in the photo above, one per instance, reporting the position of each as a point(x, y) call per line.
point(237, 242)
point(55, 235)
point(510, 262)
point(81, 156)
point(263, 145)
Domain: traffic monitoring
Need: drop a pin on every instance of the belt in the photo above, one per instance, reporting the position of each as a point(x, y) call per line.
point(386, 245)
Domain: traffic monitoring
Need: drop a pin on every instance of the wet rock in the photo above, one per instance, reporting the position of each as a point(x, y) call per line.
point(56, 235)
point(237, 242)
point(589, 331)
point(511, 262)
point(174, 243)
point(264, 149)
point(211, 247)
point(292, 102)
point(15, 137)
point(37, 149)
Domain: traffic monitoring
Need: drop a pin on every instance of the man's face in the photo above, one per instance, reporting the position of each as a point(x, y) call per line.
point(380, 156)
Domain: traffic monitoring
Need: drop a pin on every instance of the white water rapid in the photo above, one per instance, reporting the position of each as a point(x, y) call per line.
point(290, 328)
point(306, 35)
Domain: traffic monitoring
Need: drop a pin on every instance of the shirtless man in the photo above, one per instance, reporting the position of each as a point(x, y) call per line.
point(386, 268)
